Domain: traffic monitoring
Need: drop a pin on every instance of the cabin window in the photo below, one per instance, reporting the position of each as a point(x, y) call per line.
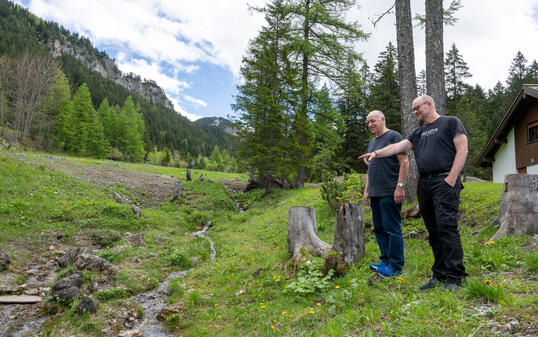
point(532, 132)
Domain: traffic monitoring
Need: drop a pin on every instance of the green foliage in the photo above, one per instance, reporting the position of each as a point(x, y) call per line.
point(179, 258)
point(110, 294)
point(350, 190)
point(310, 279)
point(487, 289)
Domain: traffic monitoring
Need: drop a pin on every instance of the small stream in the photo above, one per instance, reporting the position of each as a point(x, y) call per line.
point(153, 302)
point(201, 234)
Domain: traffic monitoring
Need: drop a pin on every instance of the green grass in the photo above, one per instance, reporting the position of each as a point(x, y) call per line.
point(252, 289)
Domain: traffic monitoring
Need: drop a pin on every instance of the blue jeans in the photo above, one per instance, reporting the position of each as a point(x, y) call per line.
point(388, 230)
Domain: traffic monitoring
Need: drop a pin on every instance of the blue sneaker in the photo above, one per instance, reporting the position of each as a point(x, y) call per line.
point(387, 271)
point(375, 266)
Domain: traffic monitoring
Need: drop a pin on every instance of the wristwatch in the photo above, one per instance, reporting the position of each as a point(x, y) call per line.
point(401, 185)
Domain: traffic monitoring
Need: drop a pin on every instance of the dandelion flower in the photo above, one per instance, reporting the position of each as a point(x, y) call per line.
point(488, 282)
point(273, 327)
point(263, 306)
point(283, 312)
point(337, 287)
point(311, 312)
point(318, 304)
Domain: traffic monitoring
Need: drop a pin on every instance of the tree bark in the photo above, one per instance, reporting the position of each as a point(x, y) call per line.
point(435, 70)
point(349, 233)
point(408, 86)
point(302, 233)
point(518, 207)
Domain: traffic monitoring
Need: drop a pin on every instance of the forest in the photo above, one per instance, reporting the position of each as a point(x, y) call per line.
point(306, 94)
point(164, 131)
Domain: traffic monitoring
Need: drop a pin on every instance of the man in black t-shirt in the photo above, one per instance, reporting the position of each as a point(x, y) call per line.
point(384, 193)
point(440, 148)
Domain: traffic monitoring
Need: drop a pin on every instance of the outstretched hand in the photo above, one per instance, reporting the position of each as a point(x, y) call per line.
point(367, 157)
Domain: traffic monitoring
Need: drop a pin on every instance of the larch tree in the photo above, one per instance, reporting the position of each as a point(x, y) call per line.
point(82, 110)
point(324, 44)
point(56, 106)
point(267, 98)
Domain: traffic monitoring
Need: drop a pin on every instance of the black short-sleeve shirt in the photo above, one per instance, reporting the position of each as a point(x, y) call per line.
point(383, 172)
point(433, 144)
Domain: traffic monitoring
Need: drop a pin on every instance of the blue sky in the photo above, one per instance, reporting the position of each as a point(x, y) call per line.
point(193, 49)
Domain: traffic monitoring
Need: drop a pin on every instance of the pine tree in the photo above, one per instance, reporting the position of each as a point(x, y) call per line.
point(352, 107)
point(385, 90)
point(456, 70)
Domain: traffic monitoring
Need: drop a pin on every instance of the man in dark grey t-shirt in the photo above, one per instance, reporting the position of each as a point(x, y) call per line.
point(440, 148)
point(384, 192)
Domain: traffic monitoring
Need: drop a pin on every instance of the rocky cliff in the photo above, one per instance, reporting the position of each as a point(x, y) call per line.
point(100, 62)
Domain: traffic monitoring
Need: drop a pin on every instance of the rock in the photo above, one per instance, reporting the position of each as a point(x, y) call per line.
point(52, 248)
point(4, 260)
point(130, 333)
point(83, 258)
point(137, 211)
point(32, 292)
point(160, 240)
point(70, 256)
point(136, 239)
point(20, 299)
point(87, 304)
point(241, 292)
point(67, 288)
point(176, 308)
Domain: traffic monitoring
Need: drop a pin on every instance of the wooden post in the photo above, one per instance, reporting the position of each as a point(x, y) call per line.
point(518, 206)
point(349, 232)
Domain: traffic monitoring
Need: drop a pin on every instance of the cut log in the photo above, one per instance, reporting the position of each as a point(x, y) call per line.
point(349, 233)
point(518, 206)
point(22, 299)
point(302, 233)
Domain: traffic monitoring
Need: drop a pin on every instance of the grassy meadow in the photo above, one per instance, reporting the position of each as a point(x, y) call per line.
point(252, 289)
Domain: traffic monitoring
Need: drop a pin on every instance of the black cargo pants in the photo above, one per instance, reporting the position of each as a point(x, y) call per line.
point(439, 205)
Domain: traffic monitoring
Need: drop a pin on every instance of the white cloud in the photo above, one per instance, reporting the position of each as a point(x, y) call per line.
point(163, 40)
point(179, 109)
point(195, 101)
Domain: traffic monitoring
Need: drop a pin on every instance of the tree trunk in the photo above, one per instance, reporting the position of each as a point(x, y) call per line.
point(518, 207)
point(435, 70)
point(302, 233)
point(408, 86)
point(349, 233)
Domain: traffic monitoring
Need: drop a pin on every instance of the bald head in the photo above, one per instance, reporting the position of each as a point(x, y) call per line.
point(376, 114)
point(376, 122)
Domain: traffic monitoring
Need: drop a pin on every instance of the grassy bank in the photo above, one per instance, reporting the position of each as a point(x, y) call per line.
point(252, 289)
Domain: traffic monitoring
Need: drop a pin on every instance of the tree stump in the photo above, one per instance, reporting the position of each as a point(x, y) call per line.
point(518, 207)
point(177, 193)
point(302, 233)
point(189, 178)
point(349, 233)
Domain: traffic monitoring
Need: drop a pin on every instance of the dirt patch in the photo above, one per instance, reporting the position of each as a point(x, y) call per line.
point(148, 188)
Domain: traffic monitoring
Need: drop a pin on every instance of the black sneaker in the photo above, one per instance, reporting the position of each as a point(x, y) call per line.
point(451, 286)
point(433, 283)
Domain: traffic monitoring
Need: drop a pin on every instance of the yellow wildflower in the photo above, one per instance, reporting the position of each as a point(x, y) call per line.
point(488, 282)
point(318, 304)
point(311, 311)
point(273, 327)
point(337, 287)
point(283, 312)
